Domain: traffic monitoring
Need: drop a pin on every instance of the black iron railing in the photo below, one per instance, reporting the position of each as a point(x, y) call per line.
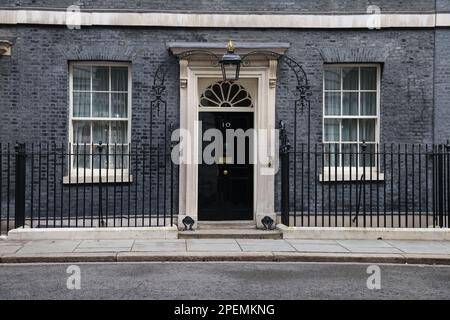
point(328, 185)
point(97, 185)
point(49, 185)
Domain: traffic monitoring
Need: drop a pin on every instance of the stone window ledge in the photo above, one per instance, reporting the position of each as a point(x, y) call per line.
point(96, 179)
point(331, 176)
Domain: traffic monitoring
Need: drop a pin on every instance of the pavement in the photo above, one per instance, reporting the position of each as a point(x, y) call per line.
point(223, 280)
point(376, 251)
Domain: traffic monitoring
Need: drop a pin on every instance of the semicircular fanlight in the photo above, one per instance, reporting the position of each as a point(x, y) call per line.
point(226, 94)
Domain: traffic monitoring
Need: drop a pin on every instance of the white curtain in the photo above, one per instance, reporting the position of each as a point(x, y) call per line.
point(332, 103)
point(331, 130)
point(119, 105)
point(100, 78)
point(119, 79)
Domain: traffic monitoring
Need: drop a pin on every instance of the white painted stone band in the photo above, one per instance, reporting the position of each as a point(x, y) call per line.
point(443, 20)
point(158, 19)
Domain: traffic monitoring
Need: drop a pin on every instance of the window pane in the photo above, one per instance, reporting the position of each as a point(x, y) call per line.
point(333, 79)
point(81, 132)
point(349, 154)
point(368, 103)
point(81, 78)
point(367, 130)
point(100, 104)
point(100, 132)
point(230, 70)
point(331, 155)
point(81, 156)
point(118, 158)
point(119, 105)
point(369, 78)
point(331, 130)
point(350, 78)
point(350, 104)
point(349, 130)
point(119, 132)
point(100, 156)
point(81, 104)
point(119, 79)
point(100, 78)
point(367, 156)
point(332, 103)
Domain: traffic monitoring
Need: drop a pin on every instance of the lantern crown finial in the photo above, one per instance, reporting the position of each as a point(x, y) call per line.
point(230, 46)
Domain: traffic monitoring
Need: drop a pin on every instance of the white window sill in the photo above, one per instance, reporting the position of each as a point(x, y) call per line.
point(330, 175)
point(111, 179)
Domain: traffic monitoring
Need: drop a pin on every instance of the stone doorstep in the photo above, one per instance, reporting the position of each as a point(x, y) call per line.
point(230, 233)
point(226, 256)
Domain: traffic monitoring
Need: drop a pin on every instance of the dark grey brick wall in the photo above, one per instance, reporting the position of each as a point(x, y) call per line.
point(442, 86)
point(443, 5)
point(34, 81)
point(235, 5)
point(39, 83)
point(9, 92)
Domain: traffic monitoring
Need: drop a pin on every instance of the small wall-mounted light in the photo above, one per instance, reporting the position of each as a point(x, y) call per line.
point(5, 48)
point(230, 63)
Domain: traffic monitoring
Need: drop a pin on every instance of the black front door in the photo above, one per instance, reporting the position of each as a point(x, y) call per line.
point(225, 188)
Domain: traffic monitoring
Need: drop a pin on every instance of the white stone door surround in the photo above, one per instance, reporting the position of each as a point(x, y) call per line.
point(262, 69)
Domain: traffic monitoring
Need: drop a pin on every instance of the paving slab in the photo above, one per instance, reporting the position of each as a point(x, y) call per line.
point(396, 243)
point(420, 247)
point(100, 250)
point(159, 246)
point(364, 243)
point(104, 246)
point(212, 245)
point(256, 245)
point(355, 249)
point(311, 241)
point(7, 243)
point(224, 241)
point(49, 246)
point(9, 249)
point(309, 247)
point(368, 246)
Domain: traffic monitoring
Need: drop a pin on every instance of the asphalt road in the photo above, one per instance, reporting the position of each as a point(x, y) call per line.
point(223, 281)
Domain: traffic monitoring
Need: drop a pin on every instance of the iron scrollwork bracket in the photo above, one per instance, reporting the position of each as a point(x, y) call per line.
point(285, 146)
point(302, 89)
point(159, 91)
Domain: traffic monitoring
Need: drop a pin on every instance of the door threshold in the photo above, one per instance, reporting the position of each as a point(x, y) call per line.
point(226, 221)
point(229, 224)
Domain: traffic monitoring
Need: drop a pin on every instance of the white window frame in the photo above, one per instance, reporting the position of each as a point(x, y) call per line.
point(76, 175)
point(345, 173)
